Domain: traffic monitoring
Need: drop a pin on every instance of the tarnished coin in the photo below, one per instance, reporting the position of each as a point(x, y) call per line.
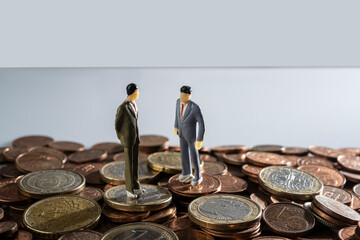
point(34, 161)
point(32, 141)
point(54, 216)
point(264, 159)
point(93, 193)
point(294, 151)
point(82, 235)
point(24, 235)
point(350, 151)
point(224, 212)
point(324, 152)
point(336, 209)
point(10, 154)
point(289, 182)
point(8, 229)
point(266, 148)
point(349, 163)
point(231, 184)
point(314, 161)
point(121, 156)
point(288, 219)
point(337, 194)
point(10, 171)
point(91, 171)
point(228, 149)
point(140, 231)
point(168, 162)
point(251, 170)
point(109, 147)
point(47, 183)
point(9, 193)
point(235, 158)
point(114, 172)
point(193, 234)
point(347, 233)
point(180, 223)
point(152, 143)
point(51, 151)
point(153, 198)
point(67, 146)
point(88, 155)
point(162, 215)
point(215, 168)
point(123, 217)
point(329, 176)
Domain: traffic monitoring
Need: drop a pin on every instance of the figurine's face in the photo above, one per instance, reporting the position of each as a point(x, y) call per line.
point(134, 95)
point(185, 97)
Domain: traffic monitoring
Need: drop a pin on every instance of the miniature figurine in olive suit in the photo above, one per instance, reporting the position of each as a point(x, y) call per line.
point(187, 116)
point(126, 125)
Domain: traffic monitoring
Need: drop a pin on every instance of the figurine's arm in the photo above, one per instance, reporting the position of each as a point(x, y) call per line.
point(201, 124)
point(176, 125)
point(118, 120)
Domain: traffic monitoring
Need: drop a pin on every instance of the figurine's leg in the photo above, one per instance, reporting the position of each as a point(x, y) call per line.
point(128, 153)
point(195, 161)
point(185, 158)
point(135, 170)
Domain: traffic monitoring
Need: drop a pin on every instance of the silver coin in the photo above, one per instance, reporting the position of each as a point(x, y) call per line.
point(45, 183)
point(291, 180)
point(140, 231)
point(224, 209)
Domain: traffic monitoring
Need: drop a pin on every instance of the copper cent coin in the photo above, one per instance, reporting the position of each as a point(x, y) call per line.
point(215, 168)
point(88, 156)
point(91, 172)
point(264, 159)
point(34, 161)
point(162, 215)
point(10, 171)
point(51, 151)
point(229, 149)
point(337, 194)
point(260, 199)
point(1, 214)
point(231, 184)
point(93, 193)
point(207, 157)
point(347, 233)
point(288, 219)
point(294, 151)
point(118, 216)
point(67, 146)
point(109, 147)
point(8, 229)
point(235, 158)
point(251, 170)
point(24, 235)
point(270, 238)
point(349, 163)
point(350, 151)
point(9, 193)
point(32, 141)
point(151, 143)
point(315, 161)
point(324, 152)
point(180, 223)
point(121, 156)
point(193, 234)
point(82, 235)
point(352, 177)
point(266, 148)
point(356, 190)
point(329, 176)
point(10, 154)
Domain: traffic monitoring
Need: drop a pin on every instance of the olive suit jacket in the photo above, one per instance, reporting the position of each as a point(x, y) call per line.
point(126, 125)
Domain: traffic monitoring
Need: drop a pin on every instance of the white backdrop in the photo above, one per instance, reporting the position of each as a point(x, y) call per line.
point(293, 106)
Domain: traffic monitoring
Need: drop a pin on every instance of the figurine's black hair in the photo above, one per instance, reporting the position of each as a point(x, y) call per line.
point(185, 89)
point(130, 89)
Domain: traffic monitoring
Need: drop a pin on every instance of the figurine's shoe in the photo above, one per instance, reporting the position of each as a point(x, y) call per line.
point(131, 195)
point(186, 178)
point(196, 182)
point(139, 191)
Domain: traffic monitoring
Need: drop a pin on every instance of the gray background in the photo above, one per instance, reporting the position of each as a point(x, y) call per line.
point(289, 106)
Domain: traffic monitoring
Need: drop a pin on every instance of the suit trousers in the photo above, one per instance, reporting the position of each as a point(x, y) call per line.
point(188, 150)
point(132, 167)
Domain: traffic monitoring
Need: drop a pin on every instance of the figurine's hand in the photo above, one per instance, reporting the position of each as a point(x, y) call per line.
point(198, 145)
point(176, 131)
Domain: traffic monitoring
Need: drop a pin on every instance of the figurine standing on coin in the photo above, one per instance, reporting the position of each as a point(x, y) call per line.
point(126, 125)
point(188, 115)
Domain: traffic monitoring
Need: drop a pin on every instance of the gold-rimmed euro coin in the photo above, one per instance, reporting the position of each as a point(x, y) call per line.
point(140, 230)
point(46, 183)
point(168, 162)
point(114, 173)
point(51, 217)
point(289, 182)
point(224, 212)
point(153, 198)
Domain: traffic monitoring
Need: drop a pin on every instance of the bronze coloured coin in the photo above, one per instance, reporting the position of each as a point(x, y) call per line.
point(251, 170)
point(329, 176)
point(82, 235)
point(152, 143)
point(47, 183)
point(8, 229)
point(347, 233)
point(215, 168)
point(207, 157)
point(32, 141)
point(277, 199)
point(153, 198)
point(209, 185)
point(67, 146)
point(193, 234)
point(34, 161)
point(231, 184)
point(10, 171)
point(336, 209)
point(88, 155)
point(349, 163)
point(291, 160)
point(93, 193)
point(330, 220)
point(9, 194)
point(237, 234)
point(264, 159)
point(352, 177)
point(140, 231)
point(109, 147)
point(356, 190)
point(271, 238)
point(123, 217)
point(315, 161)
point(238, 159)
point(289, 182)
point(10, 154)
point(224, 212)
point(337, 194)
point(114, 173)
point(260, 199)
point(266, 148)
point(1, 214)
point(294, 151)
point(228, 149)
point(355, 203)
point(162, 215)
point(350, 151)
point(121, 156)
point(180, 223)
point(51, 151)
point(54, 216)
point(24, 235)
point(91, 172)
point(324, 152)
point(308, 206)
point(288, 219)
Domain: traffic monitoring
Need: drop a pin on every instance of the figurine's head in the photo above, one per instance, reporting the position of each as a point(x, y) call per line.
point(185, 94)
point(132, 91)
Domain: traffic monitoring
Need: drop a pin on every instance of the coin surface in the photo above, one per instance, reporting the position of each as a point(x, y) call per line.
point(251, 170)
point(264, 159)
point(24, 235)
point(260, 199)
point(231, 184)
point(215, 168)
point(336, 209)
point(47, 183)
point(294, 151)
point(82, 235)
point(32, 141)
point(109, 147)
point(289, 182)
point(67, 146)
point(224, 212)
point(34, 161)
point(356, 189)
point(93, 193)
point(91, 172)
point(329, 176)
point(114, 172)
point(10, 171)
point(54, 216)
point(152, 143)
point(9, 193)
point(51, 151)
point(235, 158)
point(337, 194)
point(168, 162)
point(121, 156)
point(324, 152)
point(141, 231)
point(123, 217)
point(180, 223)
point(350, 151)
point(193, 234)
point(153, 198)
point(347, 233)
point(229, 149)
point(88, 156)
point(10, 154)
point(162, 215)
point(349, 163)
point(315, 161)
point(8, 229)
point(288, 219)
point(267, 148)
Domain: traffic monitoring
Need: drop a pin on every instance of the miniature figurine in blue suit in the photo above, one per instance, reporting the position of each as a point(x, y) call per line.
point(187, 116)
